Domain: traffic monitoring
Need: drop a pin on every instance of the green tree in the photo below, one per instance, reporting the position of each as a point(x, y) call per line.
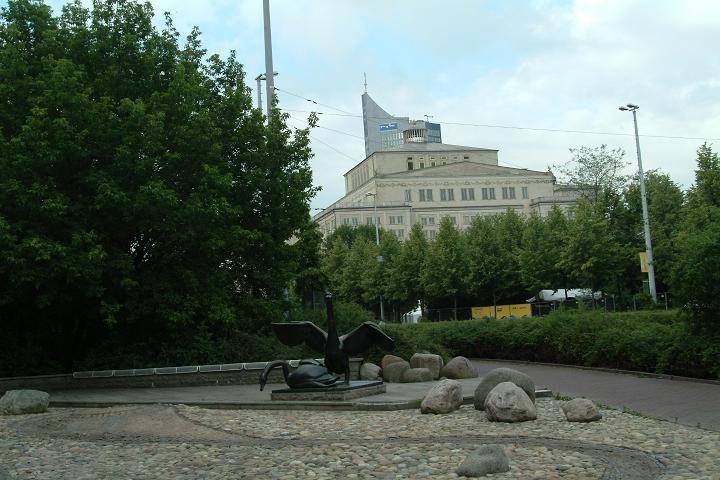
point(445, 270)
point(142, 197)
point(695, 274)
point(595, 170)
point(665, 201)
point(404, 274)
point(591, 255)
point(535, 257)
point(489, 261)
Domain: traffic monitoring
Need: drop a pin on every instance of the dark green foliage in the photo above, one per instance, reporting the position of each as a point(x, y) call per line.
point(650, 341)
point(695, 272)
point(142, 198)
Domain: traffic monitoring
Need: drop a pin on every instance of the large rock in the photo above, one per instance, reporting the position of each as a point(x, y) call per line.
point(413, 375)
point(581, 410)
point(18, 402)
point(393, 373)
point(509, 403)
point(388, 359)
point(497, 376)
point(432, 362)
point(444, 397)
point(369, 371)
point(486, 459)
point(459, 367)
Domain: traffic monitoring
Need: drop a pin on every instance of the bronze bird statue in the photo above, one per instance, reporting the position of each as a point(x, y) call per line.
point(336, 349)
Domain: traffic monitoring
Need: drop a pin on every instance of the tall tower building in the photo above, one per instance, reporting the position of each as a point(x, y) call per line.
point(384, 132)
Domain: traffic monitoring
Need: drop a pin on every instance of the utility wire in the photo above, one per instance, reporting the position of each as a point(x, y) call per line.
point(511, 127)
point(313, 101)
point(328, 145)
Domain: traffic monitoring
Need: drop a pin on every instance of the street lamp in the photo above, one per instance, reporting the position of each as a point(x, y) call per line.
point(646, 217)
point(377, 242)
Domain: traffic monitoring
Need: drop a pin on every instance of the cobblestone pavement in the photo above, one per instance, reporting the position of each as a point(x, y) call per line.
point(181, 442)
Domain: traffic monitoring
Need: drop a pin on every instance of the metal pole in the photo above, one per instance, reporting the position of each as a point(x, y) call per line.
point(269, 79)
point(377, 242)
point(646, 216)
point(259, 90)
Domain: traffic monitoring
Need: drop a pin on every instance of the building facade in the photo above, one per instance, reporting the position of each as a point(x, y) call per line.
point(422, 181)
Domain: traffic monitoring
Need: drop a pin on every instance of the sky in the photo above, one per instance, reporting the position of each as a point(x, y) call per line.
point(559, 65)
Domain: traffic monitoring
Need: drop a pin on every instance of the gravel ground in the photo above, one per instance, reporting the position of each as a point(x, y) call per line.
point(181, 442)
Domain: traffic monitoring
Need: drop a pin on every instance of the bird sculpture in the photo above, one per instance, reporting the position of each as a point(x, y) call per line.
point(309, 374)
point(336, 349)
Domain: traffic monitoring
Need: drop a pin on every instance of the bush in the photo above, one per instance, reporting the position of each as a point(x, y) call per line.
point(648, 341)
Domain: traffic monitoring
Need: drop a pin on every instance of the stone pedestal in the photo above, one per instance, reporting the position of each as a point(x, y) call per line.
point(341, 391)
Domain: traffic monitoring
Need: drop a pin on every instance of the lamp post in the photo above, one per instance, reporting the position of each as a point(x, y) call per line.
point(643, 196)
point(377, 242)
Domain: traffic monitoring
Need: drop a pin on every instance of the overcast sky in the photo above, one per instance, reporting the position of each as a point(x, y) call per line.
point(540, 64)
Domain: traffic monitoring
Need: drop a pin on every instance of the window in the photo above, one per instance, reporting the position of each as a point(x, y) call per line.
point(425, 195)
point(491, 191)
point(432, 164)
point(467, 193)
point(484, 193)
point(451, 194)
point(400, 233)
point(427, 220)
point(447, 194)
point(422, 164)
point(452, 219)
point(408, 195)
point(466, 157)
point(511, 191)
point(369, 220)
point(430, 234)
point(421, 194)
point(504, 193)
point(525, 192)
point(428, 195)
point(410, 165)
point(346, 221)
point(354, 220)
point(396, 220)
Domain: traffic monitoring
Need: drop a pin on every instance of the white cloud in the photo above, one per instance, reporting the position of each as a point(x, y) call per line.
point(553, 64)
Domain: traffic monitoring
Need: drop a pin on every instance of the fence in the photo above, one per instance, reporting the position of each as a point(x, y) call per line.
point(609, 303)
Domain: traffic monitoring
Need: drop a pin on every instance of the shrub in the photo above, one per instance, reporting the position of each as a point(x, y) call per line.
point(648, 341)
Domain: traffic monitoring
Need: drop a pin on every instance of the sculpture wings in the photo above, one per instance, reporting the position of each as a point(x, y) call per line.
point(364, 337)
point(295, 333)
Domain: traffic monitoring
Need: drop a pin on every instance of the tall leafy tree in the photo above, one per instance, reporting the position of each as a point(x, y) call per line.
point(665, 201)
point(446, 267)
point(141, 195)
point(536, 258)
point(595, 170)
point(695, 274)
point(489, 262)
point(404, 276)
point(591, 255)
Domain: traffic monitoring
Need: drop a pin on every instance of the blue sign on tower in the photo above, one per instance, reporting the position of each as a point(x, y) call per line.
point(387, 127)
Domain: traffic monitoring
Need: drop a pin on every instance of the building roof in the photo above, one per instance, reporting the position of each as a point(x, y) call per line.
point(464, 169)
point(433, 147)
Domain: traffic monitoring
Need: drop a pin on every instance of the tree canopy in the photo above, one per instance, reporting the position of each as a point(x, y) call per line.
point(141, 195)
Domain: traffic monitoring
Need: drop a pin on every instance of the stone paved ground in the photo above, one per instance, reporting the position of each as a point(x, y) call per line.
point(181, 442)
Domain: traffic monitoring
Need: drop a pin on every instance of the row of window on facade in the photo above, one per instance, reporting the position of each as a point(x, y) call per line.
point(448, 194)
point(400, 233)
point(433, 162)
point(424, 220)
